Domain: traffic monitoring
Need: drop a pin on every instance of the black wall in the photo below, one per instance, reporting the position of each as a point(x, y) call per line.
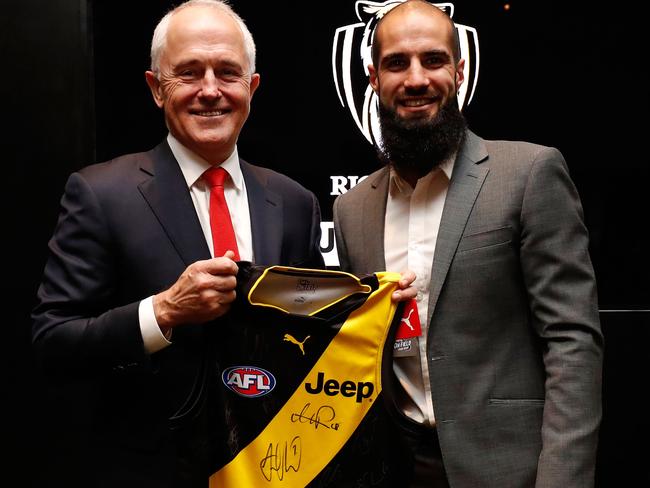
point(571, 76)
point(48, 131)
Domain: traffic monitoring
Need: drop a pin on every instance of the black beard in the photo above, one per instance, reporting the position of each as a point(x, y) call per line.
point(420, 145)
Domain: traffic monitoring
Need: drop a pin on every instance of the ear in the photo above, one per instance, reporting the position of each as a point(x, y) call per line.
point(374, 81)
point(460, 73)
point(156, 89)
point(255, 82)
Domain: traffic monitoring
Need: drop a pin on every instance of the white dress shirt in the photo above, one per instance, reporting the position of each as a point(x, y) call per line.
point(411, 230)
point(192, 167)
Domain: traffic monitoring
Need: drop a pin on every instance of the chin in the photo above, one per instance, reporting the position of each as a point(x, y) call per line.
point(212, 138)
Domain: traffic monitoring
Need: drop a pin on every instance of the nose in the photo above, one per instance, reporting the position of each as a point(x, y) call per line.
point(416, 77)
point(210, 86)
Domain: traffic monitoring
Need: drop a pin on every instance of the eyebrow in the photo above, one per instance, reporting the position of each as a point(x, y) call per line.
point(392, 56)
point(434, 52)
point(196, 61)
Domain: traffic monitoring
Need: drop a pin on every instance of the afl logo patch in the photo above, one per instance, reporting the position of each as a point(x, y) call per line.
point(248, 381)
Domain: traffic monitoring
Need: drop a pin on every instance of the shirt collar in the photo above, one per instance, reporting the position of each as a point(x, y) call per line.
point(193, 166)
point(399, 185)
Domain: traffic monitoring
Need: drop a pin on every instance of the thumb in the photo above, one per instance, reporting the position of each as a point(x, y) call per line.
point(229, 254)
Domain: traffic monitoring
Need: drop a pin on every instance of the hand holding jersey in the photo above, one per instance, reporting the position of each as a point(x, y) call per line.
point(203, 292)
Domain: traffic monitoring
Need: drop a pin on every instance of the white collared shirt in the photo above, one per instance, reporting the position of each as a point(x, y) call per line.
point(193, 166)
point(411, 230)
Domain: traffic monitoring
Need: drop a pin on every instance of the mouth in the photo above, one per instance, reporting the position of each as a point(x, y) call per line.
point(417, 102)
point(209, 113)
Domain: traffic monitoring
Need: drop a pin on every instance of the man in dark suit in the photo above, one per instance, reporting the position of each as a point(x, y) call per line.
point(503, 387)
point(133, 289)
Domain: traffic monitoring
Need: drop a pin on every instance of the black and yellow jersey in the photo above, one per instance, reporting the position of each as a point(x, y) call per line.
point(300, 367)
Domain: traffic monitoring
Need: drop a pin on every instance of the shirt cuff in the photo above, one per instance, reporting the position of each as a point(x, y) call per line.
point(152, 337)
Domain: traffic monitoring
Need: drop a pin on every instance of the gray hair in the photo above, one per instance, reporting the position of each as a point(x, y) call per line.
point(160, 33)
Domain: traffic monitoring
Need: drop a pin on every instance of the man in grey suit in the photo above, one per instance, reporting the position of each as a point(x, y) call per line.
point(502, 388)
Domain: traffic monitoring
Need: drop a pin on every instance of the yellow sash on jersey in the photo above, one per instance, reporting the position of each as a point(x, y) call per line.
point(332, 400)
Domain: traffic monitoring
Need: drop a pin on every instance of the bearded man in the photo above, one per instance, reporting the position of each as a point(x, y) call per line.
point(502, 387)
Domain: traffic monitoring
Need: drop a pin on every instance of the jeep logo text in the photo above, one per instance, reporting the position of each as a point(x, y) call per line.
point(332, 387)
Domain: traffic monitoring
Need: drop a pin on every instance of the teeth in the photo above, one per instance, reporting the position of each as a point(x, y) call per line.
point(213, 113)
point(416, 103)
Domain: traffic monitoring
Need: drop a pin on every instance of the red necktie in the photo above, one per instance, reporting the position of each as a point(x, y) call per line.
point(223, 235)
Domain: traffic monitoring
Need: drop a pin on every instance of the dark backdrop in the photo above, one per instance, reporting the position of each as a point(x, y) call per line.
point(570, 76)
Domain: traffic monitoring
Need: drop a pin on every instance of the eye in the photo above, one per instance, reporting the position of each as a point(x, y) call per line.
point(434, 60)
point(188, 74)
point(230, 73)
point(395, 64)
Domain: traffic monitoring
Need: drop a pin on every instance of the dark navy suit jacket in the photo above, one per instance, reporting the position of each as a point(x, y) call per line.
point(126, 231)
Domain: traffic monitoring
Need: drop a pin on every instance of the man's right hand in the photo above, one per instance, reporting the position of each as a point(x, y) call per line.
point(406, 289)
point(202, 293)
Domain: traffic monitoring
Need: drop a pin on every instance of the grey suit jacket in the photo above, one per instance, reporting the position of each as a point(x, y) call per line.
point(514, 343)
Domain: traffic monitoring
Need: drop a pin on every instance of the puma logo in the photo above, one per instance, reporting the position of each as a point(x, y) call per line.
point(293, 340)
point(407, 320)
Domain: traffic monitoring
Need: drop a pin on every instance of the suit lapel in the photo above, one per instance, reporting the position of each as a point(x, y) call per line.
point(374, 212)
point(266, 214)
point(169, 198)
point(466, 181)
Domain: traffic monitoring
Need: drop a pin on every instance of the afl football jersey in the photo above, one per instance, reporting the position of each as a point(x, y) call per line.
point(298, 384)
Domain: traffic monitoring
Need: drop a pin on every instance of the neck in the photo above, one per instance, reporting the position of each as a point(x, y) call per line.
point(411, 177)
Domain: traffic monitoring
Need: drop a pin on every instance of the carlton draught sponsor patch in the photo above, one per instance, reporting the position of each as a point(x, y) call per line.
point(408, 332)
point(248, 381)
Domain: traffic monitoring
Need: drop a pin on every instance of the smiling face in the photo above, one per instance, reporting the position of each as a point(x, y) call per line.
point(416, 73)
point(204, 84)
